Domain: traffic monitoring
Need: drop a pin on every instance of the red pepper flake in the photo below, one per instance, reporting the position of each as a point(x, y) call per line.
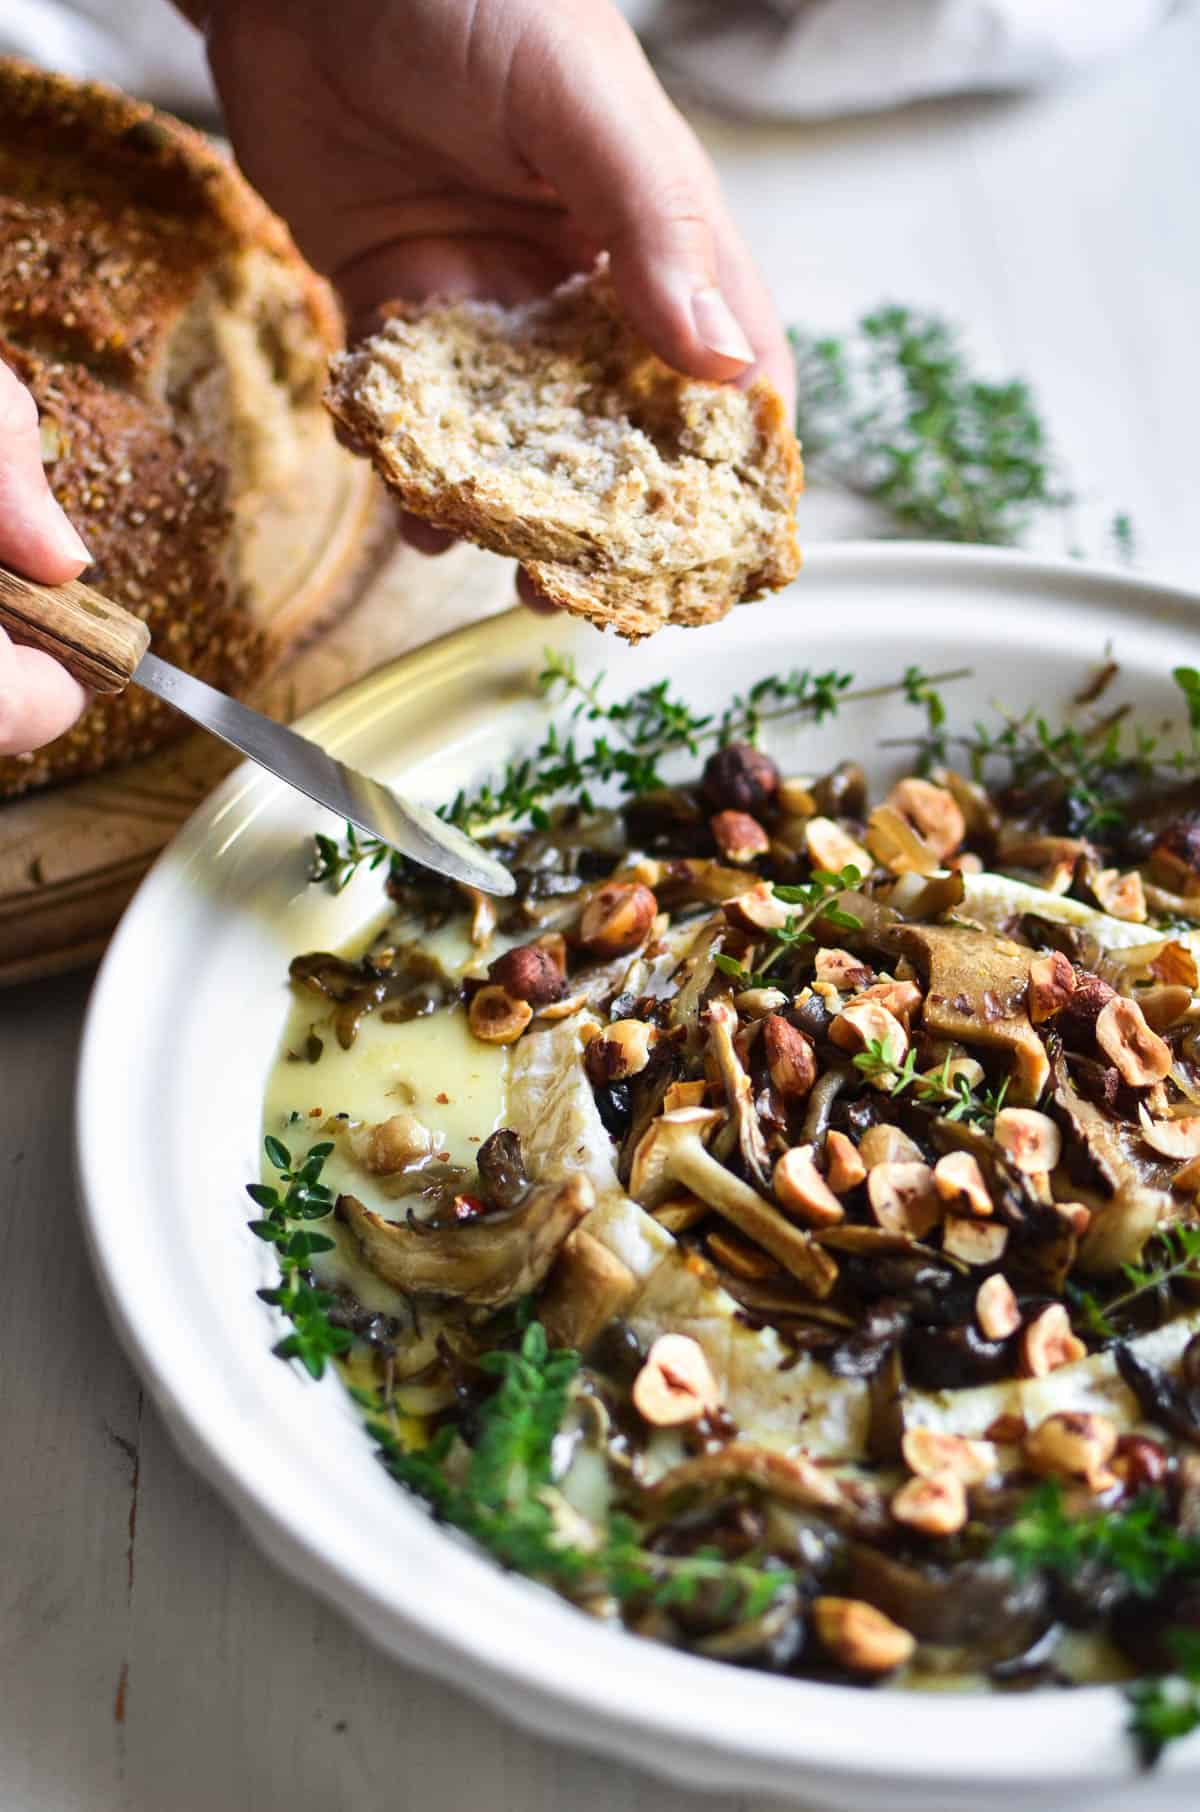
point(468, 1208)
point(443, 1099)
point(443, 1157)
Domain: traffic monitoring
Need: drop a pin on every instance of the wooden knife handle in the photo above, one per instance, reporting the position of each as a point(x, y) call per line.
point(94, 638)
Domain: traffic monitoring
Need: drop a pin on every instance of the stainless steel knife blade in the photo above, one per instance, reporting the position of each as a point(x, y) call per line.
point(412, 829)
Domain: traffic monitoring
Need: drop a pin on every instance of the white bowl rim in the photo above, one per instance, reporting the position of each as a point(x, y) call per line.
point(595, 1689)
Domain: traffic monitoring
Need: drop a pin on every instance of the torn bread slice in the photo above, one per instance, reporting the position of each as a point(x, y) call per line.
point(551, 433)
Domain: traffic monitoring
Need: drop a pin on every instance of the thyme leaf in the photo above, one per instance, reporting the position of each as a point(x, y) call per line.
point(881, 1063)
point(303, 1197)
point(817, 899)
point(1178, 1250)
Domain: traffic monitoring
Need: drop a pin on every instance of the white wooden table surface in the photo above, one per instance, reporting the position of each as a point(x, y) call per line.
point(150, 1659)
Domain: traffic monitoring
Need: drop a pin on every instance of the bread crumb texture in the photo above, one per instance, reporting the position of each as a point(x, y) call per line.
point(550, 432)
point(174, 340)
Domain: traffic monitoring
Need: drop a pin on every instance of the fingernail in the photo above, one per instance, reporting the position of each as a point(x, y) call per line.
point(718, 328)
point(70, 542)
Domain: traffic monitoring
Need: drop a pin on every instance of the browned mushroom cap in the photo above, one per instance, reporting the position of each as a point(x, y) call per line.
point(671, 1151)
point(588, 1287)
point(976, 991)
point(485, 1262)
point(793, 1477)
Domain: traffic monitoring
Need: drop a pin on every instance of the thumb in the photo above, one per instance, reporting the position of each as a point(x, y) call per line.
point(35, 535)
point(590, 116)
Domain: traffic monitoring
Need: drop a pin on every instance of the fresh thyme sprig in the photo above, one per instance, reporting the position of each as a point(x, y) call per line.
point(893, 412)
point(817, 899)
point(1165, 1710)
point(882, 1064)
point(500, 1493)
point(314, 1339)
point(1179, 1246)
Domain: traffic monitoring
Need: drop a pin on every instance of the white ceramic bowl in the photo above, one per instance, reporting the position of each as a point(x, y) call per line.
point(183, 1025)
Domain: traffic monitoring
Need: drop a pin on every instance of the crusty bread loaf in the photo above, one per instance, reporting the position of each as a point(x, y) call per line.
point(176, 344)
point(551, 432)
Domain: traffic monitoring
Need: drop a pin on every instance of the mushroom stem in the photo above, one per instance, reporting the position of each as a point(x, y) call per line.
point(722, 1024)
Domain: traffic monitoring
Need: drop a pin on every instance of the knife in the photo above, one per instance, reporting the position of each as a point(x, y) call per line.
point(106, 647)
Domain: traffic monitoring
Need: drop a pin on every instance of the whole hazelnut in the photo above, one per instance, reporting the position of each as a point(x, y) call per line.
point(529, 974)
point(738, 836)
point(617, 918)
point(739, 778)
point(790, 1060)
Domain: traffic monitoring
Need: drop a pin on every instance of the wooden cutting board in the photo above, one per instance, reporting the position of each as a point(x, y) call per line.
point(70, 858)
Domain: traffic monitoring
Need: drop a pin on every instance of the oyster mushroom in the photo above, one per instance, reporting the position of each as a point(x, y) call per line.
point(485, 1262)
point(794, 1478)
point(977, 987)
point(671, 1152)
point(722, 1025)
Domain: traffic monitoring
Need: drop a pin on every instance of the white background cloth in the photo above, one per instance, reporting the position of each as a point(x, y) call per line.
point(787, 58)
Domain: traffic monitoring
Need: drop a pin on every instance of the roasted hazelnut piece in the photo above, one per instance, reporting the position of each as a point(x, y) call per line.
point(1073, 1445)
point(958, 1178)
point(831, 848)
point(739, 778)
point(901, 998)
point(1172, 1138)
point(1139, 1463)
point(757, 910)
point(888, 1144)
point(927, 1452)
point(676, 1384)
point(933, 1505)
point(933, 812)
point(973, 1241)
point(800, 1188)
point(1049, 1342)
point(1089, 996)
point(619, 1050)
point(790, 1060)
point(845, 971)
point(739, 837)
point(864, 1022)
point(1029, 1140)
point(844, 1168)
point(495, 1017)
point(1051, 985)
point(903, 1198)
point(996, 1308)
point(617, 918)
point(529, 973)
point(756, 1003)
point(1121, 896)
point(1141, 1056)
point(859, 1636)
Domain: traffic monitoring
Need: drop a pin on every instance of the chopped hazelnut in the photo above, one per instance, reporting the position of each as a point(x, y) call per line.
point(1048, 1343)
point(958, 1178)
point(1077, 1215)
point(903, 1198)
point(756, 1003)
point(676, 1384)
point(844, 1168)
point(801, 1189)
point(1090, 994)
point(973, 1241)
point(831, 848)
point(738, 836)
point(843, 970)
point(996, 1308)
point(392, 1145)
point(739, 778)
point(888, 1144)
point(1139, 1463)
point(495, 1017)
point(684, 1094)
point(528, 973)
point(932, 811)
point(1007, 1429)
point(864, 1022)
point(1029, 1140)
point(617, 918)
point(859, 1636)
point(621, 1050)
point(1172, 1138)
point(934, 1505)
point(927, 1451)
point(757, 910)
point(1051, 985)
point(1141, 1056)
point(901, 998)
point(1121, 895)
point(790, 1060)
point(740, 1257)
point(1073, 1445)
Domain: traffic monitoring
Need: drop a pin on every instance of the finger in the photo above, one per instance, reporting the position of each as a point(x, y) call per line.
point(742, 282)
point(38, 698)
point(594, 121)
point(529, 594)
point(499, 269)
point(35, 535)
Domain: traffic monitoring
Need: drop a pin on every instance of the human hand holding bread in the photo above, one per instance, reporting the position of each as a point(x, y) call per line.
point(423, 149)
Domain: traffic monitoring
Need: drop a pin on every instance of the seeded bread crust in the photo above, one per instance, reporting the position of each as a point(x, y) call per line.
point(176, 344)
point(551, 433)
